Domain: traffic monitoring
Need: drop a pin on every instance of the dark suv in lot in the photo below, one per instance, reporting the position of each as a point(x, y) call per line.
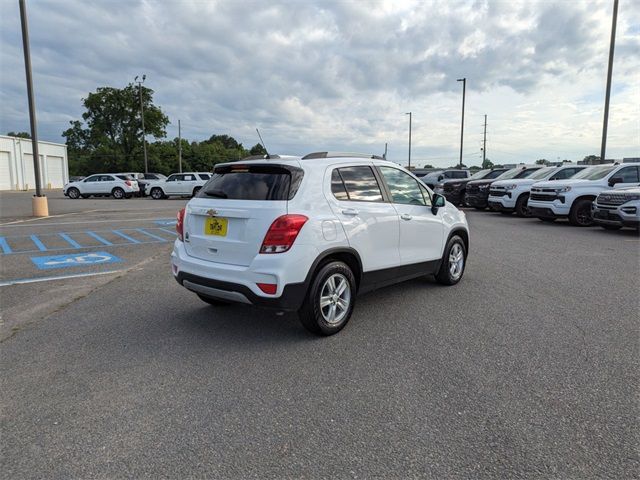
point(477, 191)
point(454, 189)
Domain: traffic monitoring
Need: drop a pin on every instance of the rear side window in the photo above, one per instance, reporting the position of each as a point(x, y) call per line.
point(627, 174)
point(458, 174)
point(253, 182)
point(361, 184)
point(337, 186)
point(204, 176)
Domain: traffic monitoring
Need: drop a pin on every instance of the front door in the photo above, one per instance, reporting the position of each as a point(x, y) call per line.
point(421, 232)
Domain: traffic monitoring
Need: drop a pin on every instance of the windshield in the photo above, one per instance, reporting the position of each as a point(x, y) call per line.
point(594, 173)
point(479, 174)
point(509, 174)
point(542, 173)
point(526, 173)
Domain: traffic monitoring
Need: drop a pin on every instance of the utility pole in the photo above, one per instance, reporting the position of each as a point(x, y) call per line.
point(484, 142)
point(179, 148)
point(464, 88)
point(603, 148)
point(144, 137)
point(409, 113)
point(39, 203)
point(385, 151)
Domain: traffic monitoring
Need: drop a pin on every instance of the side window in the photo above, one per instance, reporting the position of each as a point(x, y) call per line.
point(459, 174)
point(173, 178)
point(448, 174)
point(337, 186)
point(92, 178)
point(403, 187)
point(361, 184)
point(426, 195)
point(562, 174)
point(627, 174)
point(204, 176)
point(150, 176)
point(107, 178)
point(189, 178)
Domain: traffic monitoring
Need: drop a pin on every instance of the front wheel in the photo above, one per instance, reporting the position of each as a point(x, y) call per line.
point(156, 193)
point(330, 299)
point(453, 262)
point(73, 193)
point(580, 214)
point(522, 210)
point(118, 193)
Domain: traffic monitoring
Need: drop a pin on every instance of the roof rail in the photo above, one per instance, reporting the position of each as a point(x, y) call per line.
point(313, 155)
point(260, 157)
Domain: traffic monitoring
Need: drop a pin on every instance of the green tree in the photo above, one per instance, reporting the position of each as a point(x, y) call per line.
point(110, 135)
point(257, 149)
point(487, 163)
point(19, 134)
point(591, 159)
point(542, 161)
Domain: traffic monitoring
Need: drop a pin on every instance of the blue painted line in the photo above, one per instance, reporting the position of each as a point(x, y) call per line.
point(99, 238)
point(172, 232)
point(6, 249)
point(70, 240)
point(142, 230)
point(38, 243)
point(126, 237)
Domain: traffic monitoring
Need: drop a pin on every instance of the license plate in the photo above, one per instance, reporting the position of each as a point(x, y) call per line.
point(216, 226)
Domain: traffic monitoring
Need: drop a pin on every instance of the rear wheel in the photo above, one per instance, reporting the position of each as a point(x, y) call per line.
point(453, 262)
point(580, 214)
point(521, 206)
point(117, 193)
point(157, 193)
point(212, 301)
point(330, 299)
point(73, 193)
point(195, 191)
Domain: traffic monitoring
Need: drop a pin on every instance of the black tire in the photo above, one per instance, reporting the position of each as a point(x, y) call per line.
point(195, 191)
point(313, 316)
point(213, 301)
point(128, 195)
point(580, 214)
point(521, 206)
point(447, 275)
point(547, 219)
point(611, 227)
point(156, 193)
point(85, 195)
point(117, 193)
point(73, 193)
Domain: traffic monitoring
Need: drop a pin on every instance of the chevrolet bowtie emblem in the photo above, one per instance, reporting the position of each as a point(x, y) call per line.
point(212, 213)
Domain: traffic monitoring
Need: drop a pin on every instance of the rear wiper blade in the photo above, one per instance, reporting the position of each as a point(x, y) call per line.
point(215, 193)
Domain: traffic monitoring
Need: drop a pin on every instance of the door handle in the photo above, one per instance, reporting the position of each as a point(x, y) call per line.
point(349, 211)
point(406, 216)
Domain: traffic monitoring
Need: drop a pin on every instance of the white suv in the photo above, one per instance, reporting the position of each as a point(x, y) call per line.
point(307, 234)
point(572, 198)
point(507, 196)
point(178, 184)
point(102, 185)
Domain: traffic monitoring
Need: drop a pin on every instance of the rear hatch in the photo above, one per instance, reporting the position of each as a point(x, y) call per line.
point(228, 219)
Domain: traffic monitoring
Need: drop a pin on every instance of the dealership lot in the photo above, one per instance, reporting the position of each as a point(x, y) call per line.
point(529, 367)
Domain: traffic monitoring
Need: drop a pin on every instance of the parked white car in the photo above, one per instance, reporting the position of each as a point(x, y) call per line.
point(178, 184)
point(102, 184)
point(307, 234)
point(507, 196)
point(573, 198)
point(614, 209)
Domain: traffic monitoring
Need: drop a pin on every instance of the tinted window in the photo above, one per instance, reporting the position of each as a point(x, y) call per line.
point(150, 176)
point(627, 174)
point(337, 186)
point(458, 174)
point(107, 178)
point(526, 173)
point(565, 173)
point(173, 178)
point(403, 187)
point(92, 178)
point(361, 184)
point(204, 176)
point(494, 174)
point(255, 182)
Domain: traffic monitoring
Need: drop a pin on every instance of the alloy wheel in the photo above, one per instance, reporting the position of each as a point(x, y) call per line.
point(456, 261)
point(335, 298)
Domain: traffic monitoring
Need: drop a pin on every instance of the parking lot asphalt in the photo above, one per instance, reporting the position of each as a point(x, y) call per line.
point(526, 369)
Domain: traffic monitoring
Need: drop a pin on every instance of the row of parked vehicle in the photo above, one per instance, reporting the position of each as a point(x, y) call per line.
point(607, 195)
point(128, 184)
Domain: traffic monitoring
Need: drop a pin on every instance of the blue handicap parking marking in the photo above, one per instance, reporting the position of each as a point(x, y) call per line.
point(166, 222)
point(74, 260)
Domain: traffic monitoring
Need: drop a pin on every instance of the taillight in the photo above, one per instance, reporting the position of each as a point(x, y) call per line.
point(282, 233)
point(127, 182)
point(268, 288)
point(180, 224)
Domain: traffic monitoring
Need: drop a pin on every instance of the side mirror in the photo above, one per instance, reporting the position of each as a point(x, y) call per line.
point(437, 201)
point(440, 177)
point(614, 180)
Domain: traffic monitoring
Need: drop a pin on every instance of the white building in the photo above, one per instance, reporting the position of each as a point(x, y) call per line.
point(16, 164)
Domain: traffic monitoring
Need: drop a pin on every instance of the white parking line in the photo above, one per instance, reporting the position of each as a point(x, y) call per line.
point(45, 218)
point(59, 277)
point(115, 220)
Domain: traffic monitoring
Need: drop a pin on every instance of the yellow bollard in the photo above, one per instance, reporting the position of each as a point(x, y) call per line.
point(40, 206)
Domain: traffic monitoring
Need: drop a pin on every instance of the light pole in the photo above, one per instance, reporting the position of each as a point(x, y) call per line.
point(39, 203)
point(464, 89)
point(144, 139)
point(612, 44)
point(409, 113)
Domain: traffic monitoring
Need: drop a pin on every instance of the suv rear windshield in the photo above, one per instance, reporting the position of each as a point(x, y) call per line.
point(253, 182)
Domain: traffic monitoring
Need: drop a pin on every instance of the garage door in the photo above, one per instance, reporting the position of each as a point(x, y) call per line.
point(55, 172)
point(5, 171)
point(29, 175)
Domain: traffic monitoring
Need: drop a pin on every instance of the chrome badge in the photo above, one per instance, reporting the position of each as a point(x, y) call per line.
point(212, 213)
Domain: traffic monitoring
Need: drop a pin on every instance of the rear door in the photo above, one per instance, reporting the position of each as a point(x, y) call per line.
point(370, 223)
point(421, 232)
point(228, 219)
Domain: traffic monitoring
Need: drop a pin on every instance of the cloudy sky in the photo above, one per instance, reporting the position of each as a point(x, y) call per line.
point(340, 75)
